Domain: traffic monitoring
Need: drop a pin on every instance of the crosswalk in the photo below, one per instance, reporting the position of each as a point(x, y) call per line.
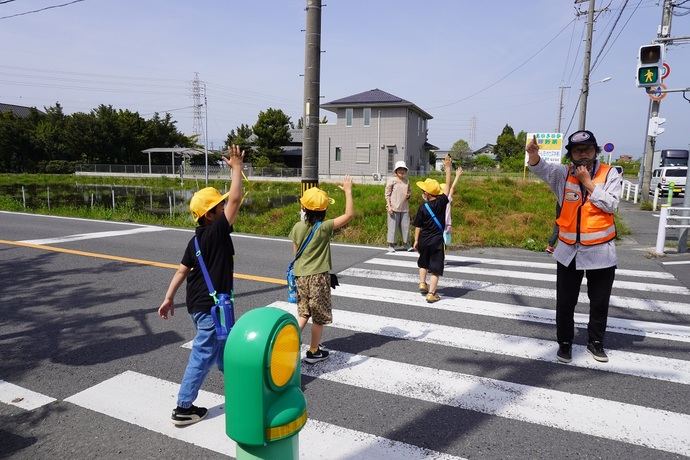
point(481, 360)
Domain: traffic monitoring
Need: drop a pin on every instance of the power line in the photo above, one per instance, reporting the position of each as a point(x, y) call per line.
point(508, 74)
point(39, 10)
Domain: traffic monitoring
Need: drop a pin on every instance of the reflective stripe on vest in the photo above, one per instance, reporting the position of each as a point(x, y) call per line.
point(584, 222)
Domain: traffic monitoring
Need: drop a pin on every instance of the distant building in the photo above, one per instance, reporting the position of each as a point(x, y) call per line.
point(487, 150)
point(625, 157)
point(18, 110)
point(373, 131)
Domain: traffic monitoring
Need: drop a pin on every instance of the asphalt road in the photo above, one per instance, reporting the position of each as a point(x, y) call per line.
point(88, 369)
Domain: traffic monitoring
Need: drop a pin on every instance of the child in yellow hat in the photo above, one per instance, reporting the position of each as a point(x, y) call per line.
point(215, 219)
point(312, 268)
point(428, 235)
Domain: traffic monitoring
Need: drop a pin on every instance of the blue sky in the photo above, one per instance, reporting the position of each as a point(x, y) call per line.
point(495, 62)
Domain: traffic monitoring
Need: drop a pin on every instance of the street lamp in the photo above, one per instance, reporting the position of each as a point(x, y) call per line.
point(583, 99)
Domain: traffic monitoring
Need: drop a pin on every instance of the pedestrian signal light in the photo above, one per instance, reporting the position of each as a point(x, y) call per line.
point(650, 61)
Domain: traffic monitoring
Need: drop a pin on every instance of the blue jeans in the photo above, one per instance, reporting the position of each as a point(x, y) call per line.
point(207, 350)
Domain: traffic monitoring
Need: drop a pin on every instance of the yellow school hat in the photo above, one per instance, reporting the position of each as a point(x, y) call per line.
point(315, 199)
point(204, 200)
point(430, 186)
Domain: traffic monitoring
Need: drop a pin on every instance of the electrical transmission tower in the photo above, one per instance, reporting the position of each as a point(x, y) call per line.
point(197, 125)
point(473, 132)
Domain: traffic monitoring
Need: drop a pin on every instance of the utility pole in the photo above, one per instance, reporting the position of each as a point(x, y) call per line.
point(585, 73)
point(312, 90)
point(647, 167)
point(560, 109)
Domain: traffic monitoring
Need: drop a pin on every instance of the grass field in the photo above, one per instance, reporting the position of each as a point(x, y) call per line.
point(487, 210)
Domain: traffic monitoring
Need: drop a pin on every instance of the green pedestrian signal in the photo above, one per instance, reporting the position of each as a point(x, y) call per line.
point(648, 76)
point(650, 60)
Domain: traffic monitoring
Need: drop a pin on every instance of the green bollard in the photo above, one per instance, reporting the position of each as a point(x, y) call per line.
point(264, 404)
point(671, 187)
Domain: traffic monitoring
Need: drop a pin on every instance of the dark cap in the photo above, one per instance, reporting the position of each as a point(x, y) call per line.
point(581, 138)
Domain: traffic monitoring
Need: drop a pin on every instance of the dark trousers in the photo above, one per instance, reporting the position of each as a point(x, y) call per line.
point(599, 284)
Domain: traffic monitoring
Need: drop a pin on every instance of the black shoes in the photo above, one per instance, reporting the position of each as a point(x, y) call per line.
point(312, 358)
point(565, 352)
point(596, 349)
point(193, 414)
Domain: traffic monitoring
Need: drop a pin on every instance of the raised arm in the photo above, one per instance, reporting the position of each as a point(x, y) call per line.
point(458, 173)
point(447, 165)
point(234, 161)
point(533, 152)
point(349, 205)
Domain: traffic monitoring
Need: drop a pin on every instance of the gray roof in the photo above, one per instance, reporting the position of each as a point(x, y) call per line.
point(18, 110)
point(182, 150)
point(376, 98)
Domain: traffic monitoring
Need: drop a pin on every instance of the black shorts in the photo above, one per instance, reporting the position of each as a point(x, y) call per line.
point(432, 258)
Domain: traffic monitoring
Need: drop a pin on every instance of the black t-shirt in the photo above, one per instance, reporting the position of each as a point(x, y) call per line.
point(431, 234)
point(218, 253)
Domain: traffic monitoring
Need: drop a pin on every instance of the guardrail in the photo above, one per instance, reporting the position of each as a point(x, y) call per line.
point(630, 187)
point(667, 214)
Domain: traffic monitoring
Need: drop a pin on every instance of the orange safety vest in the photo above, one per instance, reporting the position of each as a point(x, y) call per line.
point(580, 220)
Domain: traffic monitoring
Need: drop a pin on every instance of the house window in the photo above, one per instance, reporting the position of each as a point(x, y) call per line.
point(348, 117)
point(363, 153)
point(391, 158)
point(338, 154)
point(367, 116)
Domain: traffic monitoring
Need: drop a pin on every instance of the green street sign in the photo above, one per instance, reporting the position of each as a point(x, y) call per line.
point(648, 76)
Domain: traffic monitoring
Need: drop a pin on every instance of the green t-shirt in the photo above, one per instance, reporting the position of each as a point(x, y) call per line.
point(316, 257)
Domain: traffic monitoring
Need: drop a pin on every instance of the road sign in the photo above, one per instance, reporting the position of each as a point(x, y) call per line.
point(655, 94)
point(608, 147)
point(665, 71)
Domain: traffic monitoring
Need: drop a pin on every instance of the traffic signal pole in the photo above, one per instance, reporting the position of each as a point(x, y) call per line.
point(585, 73)
point(647, 166)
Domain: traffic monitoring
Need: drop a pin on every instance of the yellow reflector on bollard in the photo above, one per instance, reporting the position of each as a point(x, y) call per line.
point(284, 355)
point(282, 431)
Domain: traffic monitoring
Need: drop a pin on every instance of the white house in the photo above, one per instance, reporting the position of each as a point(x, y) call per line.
point(373, 131)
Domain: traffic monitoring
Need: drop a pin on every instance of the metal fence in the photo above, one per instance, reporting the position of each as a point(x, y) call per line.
point(214, 171)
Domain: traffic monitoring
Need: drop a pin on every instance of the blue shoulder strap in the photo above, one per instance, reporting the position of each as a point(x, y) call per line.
point(428, 208)
point(222, 330)
point(306, 242)
point(207, 278)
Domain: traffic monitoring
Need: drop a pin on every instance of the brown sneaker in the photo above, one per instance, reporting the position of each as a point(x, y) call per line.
point(432, 297)
point(423, 288)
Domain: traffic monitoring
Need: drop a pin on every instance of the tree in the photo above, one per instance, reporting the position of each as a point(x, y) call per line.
point(461, 152)
point(272, 131)
point(484, 162)
point(241, 138)
point(507, 145)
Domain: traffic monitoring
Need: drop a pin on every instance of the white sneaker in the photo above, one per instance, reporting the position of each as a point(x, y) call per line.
point(391, 249)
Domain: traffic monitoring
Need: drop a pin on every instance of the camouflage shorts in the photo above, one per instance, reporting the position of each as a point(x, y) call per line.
point(314, 298)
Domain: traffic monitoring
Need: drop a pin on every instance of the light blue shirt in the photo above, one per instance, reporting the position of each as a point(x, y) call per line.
point(605, 198)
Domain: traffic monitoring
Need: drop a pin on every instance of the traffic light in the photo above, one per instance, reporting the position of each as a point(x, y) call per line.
point(654, 129)
point(650, 61)
point(264, 404)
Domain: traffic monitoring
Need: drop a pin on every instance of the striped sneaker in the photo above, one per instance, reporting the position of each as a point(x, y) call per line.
point(192, 414)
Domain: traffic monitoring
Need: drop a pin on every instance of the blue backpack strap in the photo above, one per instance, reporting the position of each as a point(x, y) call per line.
point(428, 208)
point(306, 242)
point(225, 302)
point(207, 278)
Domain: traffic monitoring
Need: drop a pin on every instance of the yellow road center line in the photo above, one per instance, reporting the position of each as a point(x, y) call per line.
point(262, 279)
